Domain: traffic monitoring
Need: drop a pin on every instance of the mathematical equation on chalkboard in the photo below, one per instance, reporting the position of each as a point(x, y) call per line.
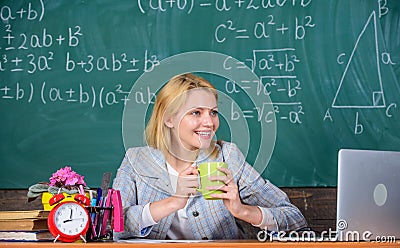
point(218, 5)
point(43, 51)
point(32, 63)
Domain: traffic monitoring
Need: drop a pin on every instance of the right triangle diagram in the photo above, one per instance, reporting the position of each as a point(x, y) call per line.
point(361, 83)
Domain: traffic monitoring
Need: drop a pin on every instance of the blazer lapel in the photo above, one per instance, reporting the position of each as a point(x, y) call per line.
point(153, 169)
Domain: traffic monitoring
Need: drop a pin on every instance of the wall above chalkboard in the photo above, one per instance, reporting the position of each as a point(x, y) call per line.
point(327, 77)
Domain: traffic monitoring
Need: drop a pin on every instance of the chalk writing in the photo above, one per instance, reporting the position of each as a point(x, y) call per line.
point(371, 87)
point(25, 41)
point(220, 5)
point(92, 96)
point(113, 62)
point(26, 12)
point(263, 29)
point(285, 111)
point(39, 53)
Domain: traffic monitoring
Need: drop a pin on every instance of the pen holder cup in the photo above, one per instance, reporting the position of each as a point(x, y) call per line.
point(100, 228)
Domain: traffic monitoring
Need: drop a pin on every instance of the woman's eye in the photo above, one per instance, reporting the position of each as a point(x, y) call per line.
point(196, 113)
point(214, 113)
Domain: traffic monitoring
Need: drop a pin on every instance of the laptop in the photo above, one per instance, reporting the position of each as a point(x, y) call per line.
point(368, 195)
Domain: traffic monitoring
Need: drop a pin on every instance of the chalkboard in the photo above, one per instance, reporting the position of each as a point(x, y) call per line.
point(298, 79)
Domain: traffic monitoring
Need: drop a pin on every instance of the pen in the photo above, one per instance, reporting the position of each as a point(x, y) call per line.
point(93, 204)
point(81, 190)
point(90, 196)
point(99, 216)
point(99, 192)
point(93, 217)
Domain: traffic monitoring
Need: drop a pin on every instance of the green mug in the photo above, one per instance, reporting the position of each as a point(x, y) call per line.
point(206, 170)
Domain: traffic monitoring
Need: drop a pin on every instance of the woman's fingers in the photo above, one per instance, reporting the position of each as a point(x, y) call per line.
point(227, 179)
point(187, 181)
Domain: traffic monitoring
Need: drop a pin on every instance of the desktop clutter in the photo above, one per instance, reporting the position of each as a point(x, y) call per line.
point(76, 212)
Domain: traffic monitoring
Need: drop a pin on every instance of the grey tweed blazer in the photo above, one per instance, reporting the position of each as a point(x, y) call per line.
point(143, 178)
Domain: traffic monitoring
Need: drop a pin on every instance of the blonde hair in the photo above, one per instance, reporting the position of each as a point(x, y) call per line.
point(168, 102)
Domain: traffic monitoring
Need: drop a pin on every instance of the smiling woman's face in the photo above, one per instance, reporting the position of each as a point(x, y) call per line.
point(195, 124)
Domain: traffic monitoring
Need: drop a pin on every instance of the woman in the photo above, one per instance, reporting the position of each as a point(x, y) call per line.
point(158, 182)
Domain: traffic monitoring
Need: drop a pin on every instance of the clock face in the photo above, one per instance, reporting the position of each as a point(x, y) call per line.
point(71, 218)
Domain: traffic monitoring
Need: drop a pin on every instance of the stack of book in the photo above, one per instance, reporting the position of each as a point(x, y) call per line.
point(24, 225)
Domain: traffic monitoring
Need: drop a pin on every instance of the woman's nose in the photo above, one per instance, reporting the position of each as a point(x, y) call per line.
point(207, 120)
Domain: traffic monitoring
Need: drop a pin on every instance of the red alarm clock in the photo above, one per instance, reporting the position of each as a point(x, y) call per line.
point(69, 220)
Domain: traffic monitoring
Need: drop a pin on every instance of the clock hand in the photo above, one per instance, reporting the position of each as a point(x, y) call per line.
point(70, 218)
point(76, 219)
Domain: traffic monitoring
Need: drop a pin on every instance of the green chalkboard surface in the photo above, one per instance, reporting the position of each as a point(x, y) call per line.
point(298, 80)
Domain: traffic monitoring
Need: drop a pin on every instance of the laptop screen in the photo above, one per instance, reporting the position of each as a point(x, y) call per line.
point(368, 198)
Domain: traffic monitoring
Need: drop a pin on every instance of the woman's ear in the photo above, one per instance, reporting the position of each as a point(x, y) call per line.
point(169, 124)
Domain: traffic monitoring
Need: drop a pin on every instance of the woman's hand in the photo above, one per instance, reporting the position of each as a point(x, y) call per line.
point(231, 198)
point(187, 184)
